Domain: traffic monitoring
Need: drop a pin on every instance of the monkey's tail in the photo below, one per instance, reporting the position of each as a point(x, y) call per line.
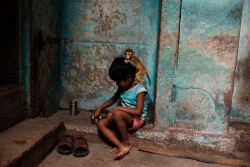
point(149, 81)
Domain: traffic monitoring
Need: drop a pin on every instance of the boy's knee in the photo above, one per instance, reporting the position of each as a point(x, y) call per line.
point(100, 123)
point(117, 115)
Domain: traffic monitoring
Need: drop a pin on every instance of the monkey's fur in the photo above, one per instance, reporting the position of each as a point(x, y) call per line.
point(130, 57)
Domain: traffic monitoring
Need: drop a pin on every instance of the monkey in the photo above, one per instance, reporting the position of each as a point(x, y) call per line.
point(130, 57)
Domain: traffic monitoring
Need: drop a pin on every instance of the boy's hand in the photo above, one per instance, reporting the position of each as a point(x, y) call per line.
point(110, 115)
point(97, 112)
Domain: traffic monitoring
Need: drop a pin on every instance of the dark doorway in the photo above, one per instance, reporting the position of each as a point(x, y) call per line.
point(9, 37)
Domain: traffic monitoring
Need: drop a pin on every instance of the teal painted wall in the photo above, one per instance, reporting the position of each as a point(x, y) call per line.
point(93, 33)
point(196, 53)
point(241, 95)
point(25, 48)
point(198, 79)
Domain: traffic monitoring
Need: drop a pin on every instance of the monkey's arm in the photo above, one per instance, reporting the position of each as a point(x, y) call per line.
point(108, 103)
point(139, 105)
point(129, 61)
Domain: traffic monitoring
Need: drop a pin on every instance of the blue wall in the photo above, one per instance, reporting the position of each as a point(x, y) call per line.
point(192, 67)
point(93, 33)
point(201, 73)
point(196, 53)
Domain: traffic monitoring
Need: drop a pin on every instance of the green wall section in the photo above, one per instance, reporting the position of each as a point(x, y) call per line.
point(241, 95)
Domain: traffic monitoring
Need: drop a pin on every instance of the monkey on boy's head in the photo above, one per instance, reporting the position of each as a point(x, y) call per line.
point(130, 57)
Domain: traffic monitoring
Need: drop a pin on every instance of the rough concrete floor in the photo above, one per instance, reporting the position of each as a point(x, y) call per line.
point(99, 156)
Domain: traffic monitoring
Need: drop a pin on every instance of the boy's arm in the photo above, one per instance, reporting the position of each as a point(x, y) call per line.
point(108, 103)
point(139, 105)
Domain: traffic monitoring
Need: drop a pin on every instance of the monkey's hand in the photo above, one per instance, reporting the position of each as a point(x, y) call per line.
point(129, 61)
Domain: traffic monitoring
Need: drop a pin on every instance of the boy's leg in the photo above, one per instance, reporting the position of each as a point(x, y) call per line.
point(123, 120)
point(103, 125)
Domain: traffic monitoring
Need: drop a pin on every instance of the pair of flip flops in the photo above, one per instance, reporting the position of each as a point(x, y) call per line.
point(69, 144)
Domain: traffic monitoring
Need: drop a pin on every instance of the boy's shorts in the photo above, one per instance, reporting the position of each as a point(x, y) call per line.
point(137, 123)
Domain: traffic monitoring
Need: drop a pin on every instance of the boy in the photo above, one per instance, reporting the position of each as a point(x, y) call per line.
point(131, 114)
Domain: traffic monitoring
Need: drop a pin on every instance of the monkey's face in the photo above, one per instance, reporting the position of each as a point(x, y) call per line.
point(128, 55)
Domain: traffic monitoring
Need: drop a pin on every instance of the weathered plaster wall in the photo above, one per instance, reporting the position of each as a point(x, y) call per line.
point(201, 94)
point(167, 59)
point(40, 55)
point(45, 62)
point(241, 95)
point(93, 33)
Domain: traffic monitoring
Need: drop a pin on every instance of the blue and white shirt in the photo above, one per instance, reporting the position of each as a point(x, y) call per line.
point(129, 99)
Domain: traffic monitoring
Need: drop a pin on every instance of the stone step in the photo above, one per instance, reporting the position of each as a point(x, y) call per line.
point(76, 124)
point(11, 106)
point(153, 139)
point(27, 143)
point(81, 124)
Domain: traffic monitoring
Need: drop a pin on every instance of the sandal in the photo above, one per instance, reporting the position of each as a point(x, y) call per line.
point(65, 145)
point(80, 147)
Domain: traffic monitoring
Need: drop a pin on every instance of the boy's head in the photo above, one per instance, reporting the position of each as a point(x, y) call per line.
point(121, 71)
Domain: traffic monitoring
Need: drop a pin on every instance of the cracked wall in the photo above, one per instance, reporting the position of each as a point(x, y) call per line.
point(201, 75)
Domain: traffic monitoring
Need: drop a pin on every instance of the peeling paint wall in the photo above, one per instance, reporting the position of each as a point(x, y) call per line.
point(201, 95)
point(168, 49)
point(93, 33)
point(241, 95)
point(195, 59)
point(189, 48)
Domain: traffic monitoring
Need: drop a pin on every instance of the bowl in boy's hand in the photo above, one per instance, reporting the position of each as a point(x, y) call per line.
point(94, 119)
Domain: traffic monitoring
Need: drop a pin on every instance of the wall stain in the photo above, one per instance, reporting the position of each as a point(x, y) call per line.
point(222, 46)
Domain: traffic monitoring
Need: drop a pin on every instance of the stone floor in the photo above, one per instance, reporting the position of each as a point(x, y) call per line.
point(99, 156)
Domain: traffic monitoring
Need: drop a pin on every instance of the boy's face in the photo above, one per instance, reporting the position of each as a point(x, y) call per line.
point(124, 85)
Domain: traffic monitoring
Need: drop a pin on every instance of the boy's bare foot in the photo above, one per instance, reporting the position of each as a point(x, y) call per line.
point(114, 150)
point(122, 152)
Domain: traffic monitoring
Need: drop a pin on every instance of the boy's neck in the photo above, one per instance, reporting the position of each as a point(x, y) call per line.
point(132, 85)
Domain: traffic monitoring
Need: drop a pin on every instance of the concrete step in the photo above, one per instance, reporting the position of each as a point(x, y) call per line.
point(27, 143)
point(11, 106)
point(76, 124)
point(199, 146)
point(81, 124)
